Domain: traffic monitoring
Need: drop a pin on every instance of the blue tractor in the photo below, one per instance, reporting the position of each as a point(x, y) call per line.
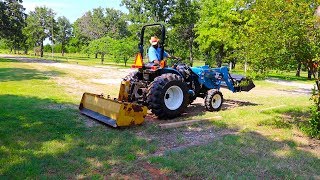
point(167, 91)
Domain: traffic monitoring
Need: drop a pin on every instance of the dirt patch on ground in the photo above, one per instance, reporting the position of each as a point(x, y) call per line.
point(155, 173)
point(59, 106)
point(143, 170)
point(300, 88)
point(106, 81)
point(176, 139)
point(307, 144)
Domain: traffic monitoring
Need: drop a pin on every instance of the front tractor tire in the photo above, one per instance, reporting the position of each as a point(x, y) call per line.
point(213, 100)
point(167, 96)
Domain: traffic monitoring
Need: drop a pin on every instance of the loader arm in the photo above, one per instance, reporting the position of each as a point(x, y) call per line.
point(227, 79)
point(214, 78)
point(235, 83)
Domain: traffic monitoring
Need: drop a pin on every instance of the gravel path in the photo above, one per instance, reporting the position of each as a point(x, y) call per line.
point(301, 88)
point(120, 73)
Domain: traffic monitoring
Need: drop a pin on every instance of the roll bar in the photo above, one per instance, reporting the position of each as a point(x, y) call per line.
point(162, 42)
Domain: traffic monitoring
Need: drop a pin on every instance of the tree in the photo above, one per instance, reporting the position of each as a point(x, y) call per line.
point(143, 11)
point(12, 21)
point(183, 22)
point(91, 25)
point(99, 23)
point(101, 46)
point(64, 32)
point(124, 49)
point(281, 35)
point(79, 31)
point(116, 25)
point(40, 24)
point(74, 45)
point(12, 17)
point(219, 29)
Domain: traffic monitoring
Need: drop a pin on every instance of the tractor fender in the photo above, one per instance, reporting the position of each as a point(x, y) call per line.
point(169, 70)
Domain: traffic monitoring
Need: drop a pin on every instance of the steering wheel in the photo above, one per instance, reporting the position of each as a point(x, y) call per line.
point(177, 62)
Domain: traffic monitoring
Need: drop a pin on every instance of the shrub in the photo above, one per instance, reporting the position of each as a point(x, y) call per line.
point(256, 75)
point(314, 122)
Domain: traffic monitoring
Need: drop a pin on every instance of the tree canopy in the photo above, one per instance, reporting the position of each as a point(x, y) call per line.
point(64, 32)
point(12, 18)
point(40, 25)
point(146, 11)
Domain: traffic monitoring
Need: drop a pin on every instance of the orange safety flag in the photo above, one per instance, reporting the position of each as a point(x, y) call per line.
point(138, 62)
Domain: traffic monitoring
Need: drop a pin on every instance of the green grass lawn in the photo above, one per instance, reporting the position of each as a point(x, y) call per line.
point(86, 60)
point(291, 76)
point(75, 58)
point(44, 136)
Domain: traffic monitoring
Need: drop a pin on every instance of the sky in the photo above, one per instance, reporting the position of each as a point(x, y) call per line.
point(72, 9)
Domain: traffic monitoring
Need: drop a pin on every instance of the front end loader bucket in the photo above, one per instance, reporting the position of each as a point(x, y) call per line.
point(242, 83)
point(246, 85)
point(112, 112)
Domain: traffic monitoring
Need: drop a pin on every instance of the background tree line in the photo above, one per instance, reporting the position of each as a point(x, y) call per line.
point(264, 34)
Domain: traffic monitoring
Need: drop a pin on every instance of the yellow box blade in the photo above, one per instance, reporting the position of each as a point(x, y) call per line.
point(112, 112)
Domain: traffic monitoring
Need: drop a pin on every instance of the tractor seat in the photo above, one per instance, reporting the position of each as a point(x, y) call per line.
point(151, 66)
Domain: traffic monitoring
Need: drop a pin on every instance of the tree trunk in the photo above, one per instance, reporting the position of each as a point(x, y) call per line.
point(41, 49)
point(317, 89)
point(219, 56)
point(96, 55)
point(309, 73)
point(234, 63)
point(62, 49)
point(125, 59)
point(102, 58)
point(191, 51)
point(208, 58)
point(245, 67)
point(298, 69)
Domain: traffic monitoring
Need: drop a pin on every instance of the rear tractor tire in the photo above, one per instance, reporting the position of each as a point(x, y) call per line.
point(167, 96)
point(213, 100)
